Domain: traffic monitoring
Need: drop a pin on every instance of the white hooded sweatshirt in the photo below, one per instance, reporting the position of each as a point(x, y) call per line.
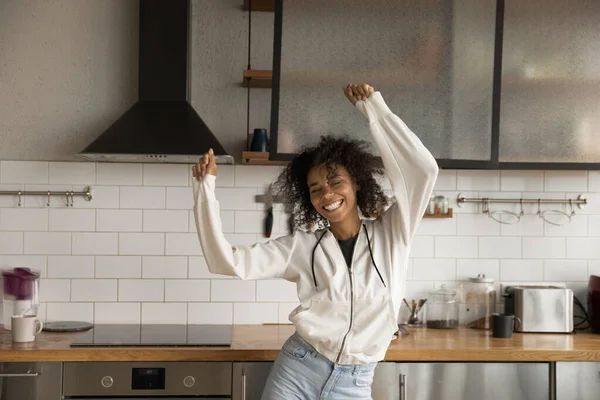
point(348, 314)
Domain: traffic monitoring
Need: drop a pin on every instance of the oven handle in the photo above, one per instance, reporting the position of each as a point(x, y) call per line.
point(26, 375)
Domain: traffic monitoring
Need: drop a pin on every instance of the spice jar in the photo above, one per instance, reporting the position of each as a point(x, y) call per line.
point(442, 309)
point(479, 302)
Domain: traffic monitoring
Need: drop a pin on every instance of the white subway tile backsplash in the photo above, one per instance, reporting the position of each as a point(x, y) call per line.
point(141, 290)
point(521, 270)
point(118, 267)
point(255, 313)
point(23, 219)
point(70, 266)
point(438, 227)
point(102, 197)
point(117, 313)
point(164, 267)
point(58, 243)
point(122, 174)
point(522, 181)
point(446, 180)
point(70, 312)
point(418, 290)
point(187, 290)
point(37, 263)
point(166, 221)
point(57, 200)
point(11, 243)
point(23, 172)
point(470, 268)
point(565, 181)
point(232, 290)
point(142, 197)
point(210, 313)
point(594, 181)
point(276, 290)
point(91, 290)
point(594, 267)
point(166, 174)
point(500, 247)
point(594, 225)
point(476, 225)
point(285, 309)
point(141, 243)
point(10, 201)
point(164, 313)
point(95, 243)
point(72, 220)
point(422, 247)
point(528, 225)
point(119, 220)
point(256, 176)
point(182, 244)
point(544, 247)
point(55, 290)
point(565, 270)
point(180, 198)
point(583, 248)
point(431, 269)
point(577, 227)
point(476, 180)
point(236, 199)
point(72, 173)
point(455, 246)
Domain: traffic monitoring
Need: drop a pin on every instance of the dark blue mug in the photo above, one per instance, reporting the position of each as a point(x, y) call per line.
point(260, 141)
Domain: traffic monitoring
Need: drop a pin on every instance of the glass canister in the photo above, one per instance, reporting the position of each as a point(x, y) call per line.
point(442, 309)
point(479, 302)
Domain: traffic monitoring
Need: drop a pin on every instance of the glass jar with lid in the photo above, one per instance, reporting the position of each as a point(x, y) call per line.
point(479, 302)
point(442, 309)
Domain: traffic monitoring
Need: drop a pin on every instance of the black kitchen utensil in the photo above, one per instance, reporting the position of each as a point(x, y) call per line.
point(269, 216)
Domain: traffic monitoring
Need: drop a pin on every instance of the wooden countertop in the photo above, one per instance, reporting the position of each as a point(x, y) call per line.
point(263, 342)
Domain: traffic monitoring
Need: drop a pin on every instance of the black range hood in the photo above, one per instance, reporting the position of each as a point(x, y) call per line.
point(162, 126)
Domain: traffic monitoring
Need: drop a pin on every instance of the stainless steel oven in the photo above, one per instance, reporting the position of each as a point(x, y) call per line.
point(156, 380)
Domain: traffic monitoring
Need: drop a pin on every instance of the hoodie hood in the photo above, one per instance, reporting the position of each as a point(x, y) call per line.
point(161, 126)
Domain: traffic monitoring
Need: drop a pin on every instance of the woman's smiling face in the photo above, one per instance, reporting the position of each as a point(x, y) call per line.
point(333, 193)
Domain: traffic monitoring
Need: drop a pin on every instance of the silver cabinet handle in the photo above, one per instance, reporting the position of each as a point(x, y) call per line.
point(402, 387)
point(33, 374)
point(243, 385)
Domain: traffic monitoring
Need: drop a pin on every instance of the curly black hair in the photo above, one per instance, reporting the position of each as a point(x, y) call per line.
point(363, 167)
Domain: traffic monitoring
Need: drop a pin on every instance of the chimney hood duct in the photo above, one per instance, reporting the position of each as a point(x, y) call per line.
point(161, 126)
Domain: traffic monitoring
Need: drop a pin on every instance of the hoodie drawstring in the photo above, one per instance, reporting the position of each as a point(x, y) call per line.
point(370, 252)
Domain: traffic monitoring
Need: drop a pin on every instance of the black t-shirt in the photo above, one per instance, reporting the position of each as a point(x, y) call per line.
point(347, 246)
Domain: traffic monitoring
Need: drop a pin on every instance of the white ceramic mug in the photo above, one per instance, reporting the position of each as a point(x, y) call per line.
point(25, 327)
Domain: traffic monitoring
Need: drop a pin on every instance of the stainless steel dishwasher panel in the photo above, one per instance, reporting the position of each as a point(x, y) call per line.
point(30, 381)
point(472, 381)
point(577, 380)
point(116, 379)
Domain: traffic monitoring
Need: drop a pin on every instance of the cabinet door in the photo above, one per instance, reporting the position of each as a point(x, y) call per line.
point(550, 97)
point(385, 382)
point(31, 381)
point(473, 381)
point(577, 381)
point(249, 379)
point(432, 60)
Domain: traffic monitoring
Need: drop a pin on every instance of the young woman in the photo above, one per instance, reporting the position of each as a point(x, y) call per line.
point(349, 273)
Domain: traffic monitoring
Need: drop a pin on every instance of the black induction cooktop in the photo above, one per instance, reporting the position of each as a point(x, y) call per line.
point(154, 335)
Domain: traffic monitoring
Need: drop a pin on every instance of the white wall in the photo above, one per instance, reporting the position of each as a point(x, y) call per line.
point(132, 254)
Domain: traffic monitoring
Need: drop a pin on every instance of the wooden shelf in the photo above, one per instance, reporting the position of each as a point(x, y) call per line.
point(260, 5)
point(438, 214)
point(257, 78)
point(259, 158)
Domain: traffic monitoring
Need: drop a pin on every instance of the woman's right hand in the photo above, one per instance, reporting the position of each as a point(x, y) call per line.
point(207, 164)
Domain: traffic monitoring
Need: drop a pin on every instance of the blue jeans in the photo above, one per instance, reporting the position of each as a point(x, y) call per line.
point(302, 373)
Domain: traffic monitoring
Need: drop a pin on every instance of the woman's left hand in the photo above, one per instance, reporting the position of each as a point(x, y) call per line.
point(355, 93)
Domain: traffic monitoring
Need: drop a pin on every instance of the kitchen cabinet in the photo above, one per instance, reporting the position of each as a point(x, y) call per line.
point(30, 381)
point(249, 379)
point(432, 60)
point(550, 93)
point(467, 381)
point(577, 380)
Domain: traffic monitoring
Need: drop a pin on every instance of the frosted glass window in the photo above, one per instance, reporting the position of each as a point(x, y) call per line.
point(550, 108)
point(432, 60)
